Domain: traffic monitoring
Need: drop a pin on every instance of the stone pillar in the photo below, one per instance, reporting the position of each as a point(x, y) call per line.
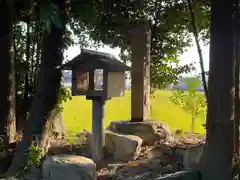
point(140, 74)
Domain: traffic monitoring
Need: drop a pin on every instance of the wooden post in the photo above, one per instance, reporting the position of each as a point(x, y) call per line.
point(140, 73)
point(98, 140)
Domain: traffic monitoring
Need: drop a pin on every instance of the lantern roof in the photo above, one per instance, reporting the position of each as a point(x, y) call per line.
point(90, 59)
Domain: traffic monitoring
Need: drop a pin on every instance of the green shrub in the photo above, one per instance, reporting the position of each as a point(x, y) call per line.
point(191, 102)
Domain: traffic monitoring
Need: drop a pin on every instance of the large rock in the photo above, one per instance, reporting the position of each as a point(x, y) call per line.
point(187, 157)
point(159, 151)
point(149, 131)
point(162, 153)
point(190, 155)
point(62, 167)
point(122, 147)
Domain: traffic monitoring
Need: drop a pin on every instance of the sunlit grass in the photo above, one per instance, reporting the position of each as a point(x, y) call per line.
point(78, 113)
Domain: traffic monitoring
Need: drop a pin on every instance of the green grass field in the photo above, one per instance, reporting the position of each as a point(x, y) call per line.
point(78, 115)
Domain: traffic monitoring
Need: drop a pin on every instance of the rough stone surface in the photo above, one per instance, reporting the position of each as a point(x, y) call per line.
point(122, 147)
point(84, 138)
point(186, 157)
point(149, 131)
point(162, 152)
point(135, 170)
point(165, 156)
point(62, 167)
point(190, 156)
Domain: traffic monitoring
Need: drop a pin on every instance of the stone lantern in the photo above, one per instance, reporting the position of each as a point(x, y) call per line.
point(98, 76)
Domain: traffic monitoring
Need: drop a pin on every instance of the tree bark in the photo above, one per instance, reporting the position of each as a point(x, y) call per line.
point(11, 125)
point(47, 89)
point(193, 125)
point(195, 33)
point(7, 110)
point(217, 159)
point(237, 69)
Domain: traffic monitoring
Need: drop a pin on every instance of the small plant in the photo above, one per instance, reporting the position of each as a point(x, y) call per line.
point(35, 155)
point(177, 97)
point(236, 167)
point(194, 104)
point(63, 96)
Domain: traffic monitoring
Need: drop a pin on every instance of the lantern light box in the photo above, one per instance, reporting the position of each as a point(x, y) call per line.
point(97, 74)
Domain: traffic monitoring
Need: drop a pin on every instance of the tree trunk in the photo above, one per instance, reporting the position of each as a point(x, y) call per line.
point(38, 52)
point(237, 69)
point(17, 81)
point(7, 117)
point(47, 89)
point(26, 102)
point(195, 33)
point(217, 158)
point(193, 128)
point(11, 126)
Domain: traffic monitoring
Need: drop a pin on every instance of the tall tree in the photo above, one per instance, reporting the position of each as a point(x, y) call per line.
point(47, 91)
point(217, 159)
point(237, 69)
point(196, 37)
point(7, 114)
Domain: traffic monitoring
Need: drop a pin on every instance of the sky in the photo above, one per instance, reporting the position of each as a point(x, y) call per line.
point(189, 56)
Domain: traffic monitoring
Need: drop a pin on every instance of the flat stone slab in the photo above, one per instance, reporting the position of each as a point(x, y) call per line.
point(64, 167)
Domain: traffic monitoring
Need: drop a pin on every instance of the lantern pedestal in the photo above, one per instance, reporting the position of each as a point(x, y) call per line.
point(98, 138)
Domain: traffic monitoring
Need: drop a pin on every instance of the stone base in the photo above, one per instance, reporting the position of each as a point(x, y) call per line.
point(148, 131)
